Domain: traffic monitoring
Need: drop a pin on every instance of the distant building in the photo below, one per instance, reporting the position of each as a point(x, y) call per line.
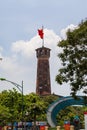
point(43, 84)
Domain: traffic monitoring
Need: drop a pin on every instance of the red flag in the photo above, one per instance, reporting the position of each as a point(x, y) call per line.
point(40, 32)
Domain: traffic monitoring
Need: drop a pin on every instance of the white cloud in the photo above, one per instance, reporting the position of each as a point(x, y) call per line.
point(22, 64)
point(1, 48)
point(64, 31)
point(27, 48)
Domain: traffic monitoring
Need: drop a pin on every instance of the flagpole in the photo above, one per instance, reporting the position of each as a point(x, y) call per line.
point(43, 37)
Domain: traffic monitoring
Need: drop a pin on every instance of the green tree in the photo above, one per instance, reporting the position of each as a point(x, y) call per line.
point(74, 59)
point(49, 99)
point(69, 113)
point(12, 100)
point(35, 107)
point(4, 115)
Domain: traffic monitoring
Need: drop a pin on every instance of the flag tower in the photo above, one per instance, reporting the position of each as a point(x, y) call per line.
point(43, 84)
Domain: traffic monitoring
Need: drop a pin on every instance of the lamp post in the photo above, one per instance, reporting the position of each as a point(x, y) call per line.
point(20, 87)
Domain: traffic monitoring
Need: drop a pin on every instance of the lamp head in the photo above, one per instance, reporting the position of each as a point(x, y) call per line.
point(2, 79)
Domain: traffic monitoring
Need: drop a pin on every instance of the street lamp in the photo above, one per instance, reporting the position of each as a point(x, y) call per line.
point(20, 87)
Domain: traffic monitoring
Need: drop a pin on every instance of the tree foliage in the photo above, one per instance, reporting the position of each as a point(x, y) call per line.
point(74, 59)
point(69, 113)
point(11, 103)
point(34, 106)
point(4, 115)
point(49, 99)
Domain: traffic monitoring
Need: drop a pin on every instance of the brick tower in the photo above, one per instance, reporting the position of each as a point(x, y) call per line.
point(43, 85)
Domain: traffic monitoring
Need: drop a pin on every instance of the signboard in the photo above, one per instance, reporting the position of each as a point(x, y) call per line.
point(42, 127)
point(41, 123)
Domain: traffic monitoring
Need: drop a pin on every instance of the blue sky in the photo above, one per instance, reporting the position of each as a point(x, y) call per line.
point(19, 21)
